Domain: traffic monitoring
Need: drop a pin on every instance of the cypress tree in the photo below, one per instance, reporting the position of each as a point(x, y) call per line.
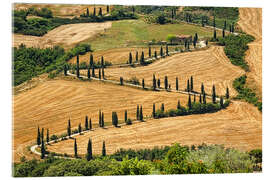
point(103, 73)
point(215, 34)
point(142, 58)
point(121, 81)
point(196, 37)
point(149, 51)
point(214, 22)
point(103, 149)
point(102, 119)
point(232, 27)
point(91, 62)
point(194, 43)
point(87, 12)
point(102, 61)
point(214, 94)
point(155, 54)
point(90, 124)
point(176, 84)
point(137, 56)
point(108, 9)
point(42, 134)
point(79, 128)
point(200, 98)
point(141, 113)
point(191, 84)
point(221, 102)
point(38, 137)
point(154, 110)
point(143, 83)
point(114, 119)
point(78, 67)
point(227, 93)
point(225, 24)
point(223, 33)
point(167, 50)
point(100, 12)
point(43, 151)
point(86, 123)
point(130, 58)
point(69, 128)
point(65, 70)
point(206, 42)
point(154, 82)
point(178, 105)
point(99, 118)
point(89, 155)
point(94, 13)
point(93, 72)
point(138, 112)
point(75, 149)
point(125, 115)
point(99, 73)
point(204, 98)
point(194, 100)
point(189, 102)
point(133, 10)
point(88, 73)
point(202, 88)
point(162, 108)
point(185, 44)
point(158, 83)
point(166, 82)
point(188, 45)
point(48, 137)
point(202, 22)
point(188, 87)
point(161, 51)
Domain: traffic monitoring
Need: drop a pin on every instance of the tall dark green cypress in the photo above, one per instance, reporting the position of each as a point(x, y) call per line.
point(189, 102)
point(102, 61)
point(167, 50)
point(43, 150)
point(114, 119)
point(204, 98)
point(227, 93)
point(102, 119)
point(89, 155)
point(99, 118)
point(121, 81)
point(86, 123)
point(91, 62)
point(78, 67)
point(75, 149)
point(154, 110)
point(137, 56)
point(94, 13)
point(100, 12)
point(138, 112)
point(125, 115)
point(194, 100)
point(65, 70)
point(42, 134)
point(108, 9)
point(155, 54)
point(162, 108)
point(48, 137)
point(178, 105)
point(221, 102)
point(166, 82)
point(90, 124)
point(149, 52)
point(200, 98)
point(79, 128)
point(161, 51)
point(143, 83)
point(103, 149)
point(223, 33)
point(191, 84)
point(214, 94)
point(88, 73)
point(188, 87)
point(142, 58)
point(87, 12)
point(158, 83)
point(69, 128)
point(176, 84)
point(141, 113)
point(214, 22)
point(130, 58)
point(93, 72)
point(99, 73)
point(225, 25)
point(103, 73)
point(202, 88)
point(215, 34)
point(154, 82)
point(38, 137)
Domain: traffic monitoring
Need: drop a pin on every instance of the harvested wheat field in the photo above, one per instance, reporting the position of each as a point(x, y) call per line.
point(251, 23)
point(52, 103)
point(209, 66)
point(238, 126)
point(119, 55)
point(65, 35)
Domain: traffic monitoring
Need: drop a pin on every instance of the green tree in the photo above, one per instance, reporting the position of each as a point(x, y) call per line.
point(93, 72)
point(48, 137)
point(158, 83)
point(88, 73)
point(90, 124)
point(214, 22)
point(176, 84)
point(202, 88)
point(42, 134)
point(103, 73)
point(223, 33)
point(102, 119)
point(200, 98)
point(191, 84)
point(121, 81)
point(178, 105)
point(75, 148)
point(141, 113)
point(162, 108)
point(79, 128)
point(166, 82)
point(114, 119)
point(65, 70)
point(149, 51)
point(225, 24)
point(221, 102)
point(89, 155)
point(91, 62)
point(38, 137)
point(137, 56)
point(142, 58)
point(155, 54)
point(167, 50)
point(189, 102)
point(214, 94)
point(206, 42)
point(126, 116)
point(154, 82)
point(94, 13)
point(154, 110)
point(87, 12)
point(194, 99)
point(161, 51)
point(43, 150)
point(99, 73)
point(227, 93)
point(78, 67)
point(103, 149)
point(86, 123)
point(130, 58)
point(161, 19)
point(100, 11)
point(102, 61)
point(204, 98)
point(138, 113)
point(99, 118)
point(188, 87)
point(215, 34)
point(69, 128)
point(171, 38)
point(108, 9)
point(202, 22)
point(143, 83)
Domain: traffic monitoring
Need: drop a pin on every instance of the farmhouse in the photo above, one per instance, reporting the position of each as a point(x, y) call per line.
point(182, 38)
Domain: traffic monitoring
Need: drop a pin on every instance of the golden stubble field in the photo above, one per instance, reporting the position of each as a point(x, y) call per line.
point(251, 22)
point(209, 66)
point(50, 104)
